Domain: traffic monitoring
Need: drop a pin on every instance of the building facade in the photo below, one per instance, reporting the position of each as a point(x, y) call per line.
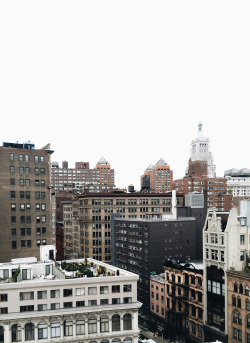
point(238, 285)
point(184, 300)
point(83, 179)
point(201, 175)
point(46, 303)
point(238, 182)
point(25, 197)
point(92, 212)
point(141, 245)
point(226, 248)
point(157, 178)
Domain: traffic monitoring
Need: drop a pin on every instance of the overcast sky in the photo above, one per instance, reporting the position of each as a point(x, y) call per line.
point(127, 80)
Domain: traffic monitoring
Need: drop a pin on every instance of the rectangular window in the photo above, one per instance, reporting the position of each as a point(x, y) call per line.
point(55, 306)
point(55, 293)
point(67, 304)
point(92, 303)
point(42, 295)
point(26, 295)
point(67, 292)
point(80, 303)
point(80, 291)
point(92, 290)
point(104, 290)
point(42, 307)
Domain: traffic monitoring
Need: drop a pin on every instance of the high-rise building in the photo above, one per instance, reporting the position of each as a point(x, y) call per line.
point(83, 179)
point(141, 245)
point(201, 175)
point(25, 198)
point(157, 178)
point(88, 227)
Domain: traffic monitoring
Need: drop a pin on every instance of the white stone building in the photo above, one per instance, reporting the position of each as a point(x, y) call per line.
point(238, 182)
point(200, 151)
point(226, 246)
point(46, 304)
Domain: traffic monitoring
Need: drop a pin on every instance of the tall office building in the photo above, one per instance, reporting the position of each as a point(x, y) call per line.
point(82, 178)
point(87, 221)
point(25, 198)
point(157, 178)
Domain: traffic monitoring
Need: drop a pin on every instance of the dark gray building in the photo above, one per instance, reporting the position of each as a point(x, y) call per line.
point(141, 245)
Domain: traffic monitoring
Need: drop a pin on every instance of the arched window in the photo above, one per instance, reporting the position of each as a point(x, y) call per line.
point(239, 302)
point(116, 340)
point(104, 324)
point(92, 325)
point(248, 321)
point(233, 300)
point(116, 323)
point(80, 327)
point(127, 321)
point(68, 328)
point(29, 332)
point(42, 330)
point(127, 340)
point(16, 333)
point(235, 287)
point(235, 317)
point(104, 341)
point(246, 290)
point(55, 329)
point(1, 334)
point(241, 289)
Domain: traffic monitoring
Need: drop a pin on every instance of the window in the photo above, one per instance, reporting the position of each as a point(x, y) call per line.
point(67, 304)
point(104, 301)
point(42, 307)
point(26, 295)
point(27, 308)
point(42, 330)
point(92, 303)
point(80, 327)
point(3, 297)
point(67, 292)
point(127, 321)
point(116, 289)
point(116, 301)
point(127, 288)
point(26, 274)
point(12, 182)
point(16, 333)
point(55, 306)
point(55, 329)
point(42, 295)
point(12, 194)
point(92, 325)
point(116, 322)
point(68, 328)
point(242, 256)
point(12, 169)
point(80, 303)
point(104, 290)
point(11, 157)
point(92, 290)
point(29, 332)
point(104, 324)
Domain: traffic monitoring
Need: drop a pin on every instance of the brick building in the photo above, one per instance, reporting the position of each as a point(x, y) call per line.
point(157, 178)
point(201, 175)
point(184, 300)
point(25, 198)
point(82, 178)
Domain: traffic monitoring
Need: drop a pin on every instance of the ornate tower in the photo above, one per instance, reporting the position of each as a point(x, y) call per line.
point(200, 151)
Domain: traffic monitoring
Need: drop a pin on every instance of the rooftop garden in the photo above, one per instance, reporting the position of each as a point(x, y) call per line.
point(79, 269)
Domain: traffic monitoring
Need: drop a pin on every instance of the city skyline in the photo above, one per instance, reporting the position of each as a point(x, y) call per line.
point(129, 81)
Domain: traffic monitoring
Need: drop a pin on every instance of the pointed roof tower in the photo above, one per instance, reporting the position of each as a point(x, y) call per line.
point(103, 161)
point(200, 151)
point(161, 162)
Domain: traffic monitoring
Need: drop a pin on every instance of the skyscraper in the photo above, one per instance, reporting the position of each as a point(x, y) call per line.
point(25, 198)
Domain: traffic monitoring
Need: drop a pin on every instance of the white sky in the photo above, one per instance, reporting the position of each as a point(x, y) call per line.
point(129, 80)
